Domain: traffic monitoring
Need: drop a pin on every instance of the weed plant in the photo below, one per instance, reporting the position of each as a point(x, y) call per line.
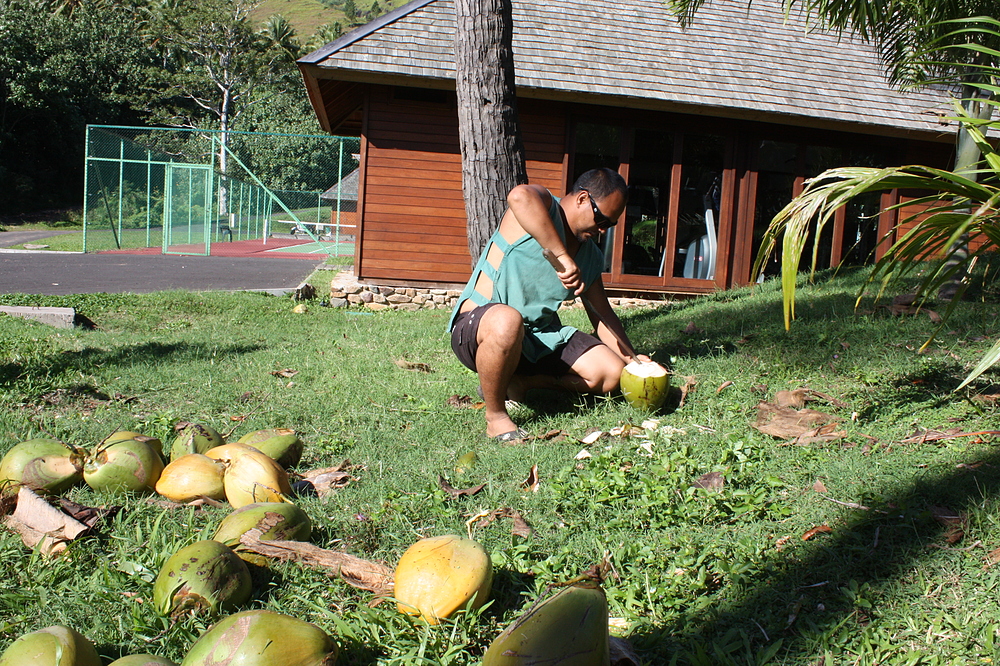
point(699, 576)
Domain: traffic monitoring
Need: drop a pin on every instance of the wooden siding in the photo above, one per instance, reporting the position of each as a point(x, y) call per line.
point(413, 224)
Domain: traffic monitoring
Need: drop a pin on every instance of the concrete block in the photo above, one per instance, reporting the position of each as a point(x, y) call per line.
point(58, 317)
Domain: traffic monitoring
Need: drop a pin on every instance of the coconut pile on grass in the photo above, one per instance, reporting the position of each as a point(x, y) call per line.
point(435, 578)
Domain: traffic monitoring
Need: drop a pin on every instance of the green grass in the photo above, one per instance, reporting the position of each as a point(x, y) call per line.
point(699, 577)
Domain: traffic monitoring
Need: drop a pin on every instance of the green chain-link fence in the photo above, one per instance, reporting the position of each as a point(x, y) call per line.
point(183, 191)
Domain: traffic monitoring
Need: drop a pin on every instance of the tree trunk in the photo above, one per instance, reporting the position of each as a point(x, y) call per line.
point(490, 137)
point(967, 158)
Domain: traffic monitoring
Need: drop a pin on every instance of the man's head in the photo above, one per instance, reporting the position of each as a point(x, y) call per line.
point(595, 202)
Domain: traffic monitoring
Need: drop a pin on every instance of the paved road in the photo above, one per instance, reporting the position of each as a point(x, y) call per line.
point(12, 238)
point(57, 273)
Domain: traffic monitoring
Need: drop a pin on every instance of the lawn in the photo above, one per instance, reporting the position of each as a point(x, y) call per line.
point(900, 570)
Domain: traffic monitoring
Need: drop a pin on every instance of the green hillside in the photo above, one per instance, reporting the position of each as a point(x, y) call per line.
point(306, 16)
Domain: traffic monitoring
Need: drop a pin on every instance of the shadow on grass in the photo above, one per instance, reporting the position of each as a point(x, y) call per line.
point(812, 602)
point(51, 367)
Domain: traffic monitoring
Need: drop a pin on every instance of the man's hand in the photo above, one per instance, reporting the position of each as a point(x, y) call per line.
point(567, 270)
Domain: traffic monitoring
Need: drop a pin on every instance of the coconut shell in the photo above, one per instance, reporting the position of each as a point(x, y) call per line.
point(125, 466)
point(142, 660)
point(190, 477)
point(46, 465)
point(52, 646)
point(254, 477)
point(262, 638)
point(569, 628)
point(645, 385)
point(205, 576)
point(438, 576)
point(282, 444)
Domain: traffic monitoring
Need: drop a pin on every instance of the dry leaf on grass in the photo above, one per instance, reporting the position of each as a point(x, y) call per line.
point(359, 573)
point(454, 492)
point(550, 435)
point(464, 402)
point(788, 423)
point(328, 479)
point(713, 481)
point(286, 373)
point(953, 522)
point(819, 486)
point(687, 387)
point(691, 329)
point(819, 529)
point(723, 386)
point(520, 528)
point(826, 433)
point(797, 398)
point(622, 652)
point(928, 435)
point(532, 483)
point(45, 527)
point(993, 557)
point(409, 365)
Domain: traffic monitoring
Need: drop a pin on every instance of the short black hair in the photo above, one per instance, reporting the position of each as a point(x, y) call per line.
point(600, 183)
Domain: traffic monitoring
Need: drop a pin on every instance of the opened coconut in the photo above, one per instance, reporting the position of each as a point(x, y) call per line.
point(52, 646)
point(205, 576)
point(41, 464)
point(142, 660)
point(127, 465)
point(569, 628)
point(262, 638)
point(192, 476)
point(282, 444)
point(254, 477)
point(194, 438)
point(645, 385)
point(438, 576)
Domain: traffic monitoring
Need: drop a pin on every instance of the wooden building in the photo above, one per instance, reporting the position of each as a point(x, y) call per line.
point(715, 127)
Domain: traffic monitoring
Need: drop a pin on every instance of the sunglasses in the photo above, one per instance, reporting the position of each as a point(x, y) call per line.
point(602, 221)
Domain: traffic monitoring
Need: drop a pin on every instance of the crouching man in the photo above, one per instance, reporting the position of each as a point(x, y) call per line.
point(505, 326)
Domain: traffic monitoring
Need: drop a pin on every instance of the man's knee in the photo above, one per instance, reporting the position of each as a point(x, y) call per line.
point(600, 369)
point(501, 325)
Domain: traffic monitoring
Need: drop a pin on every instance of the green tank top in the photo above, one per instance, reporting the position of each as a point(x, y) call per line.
point(526, 282)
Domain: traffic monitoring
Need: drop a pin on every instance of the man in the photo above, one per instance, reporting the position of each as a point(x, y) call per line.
point(505, 325)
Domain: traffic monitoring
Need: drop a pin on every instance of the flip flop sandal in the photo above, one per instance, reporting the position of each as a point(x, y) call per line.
point(512, 436)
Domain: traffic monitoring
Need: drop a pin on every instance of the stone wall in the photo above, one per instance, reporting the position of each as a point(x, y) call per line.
point(346, 291)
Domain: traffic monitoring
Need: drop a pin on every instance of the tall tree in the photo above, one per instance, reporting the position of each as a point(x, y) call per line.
point(490, 137)
point(216, 66)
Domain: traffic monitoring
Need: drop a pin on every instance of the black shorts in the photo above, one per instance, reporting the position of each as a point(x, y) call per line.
point(558, 363)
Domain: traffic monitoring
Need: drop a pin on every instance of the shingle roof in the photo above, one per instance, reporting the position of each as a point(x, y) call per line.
point(733, 59)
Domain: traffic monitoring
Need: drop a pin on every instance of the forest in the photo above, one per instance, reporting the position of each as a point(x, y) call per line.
point(204, 64)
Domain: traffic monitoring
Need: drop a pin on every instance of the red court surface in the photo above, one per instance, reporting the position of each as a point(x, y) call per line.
point(245, 248)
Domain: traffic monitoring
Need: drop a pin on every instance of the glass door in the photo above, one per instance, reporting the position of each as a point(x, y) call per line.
point(188, 209)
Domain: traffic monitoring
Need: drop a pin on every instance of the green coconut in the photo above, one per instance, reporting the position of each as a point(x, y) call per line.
point(205, 576)
point(282, 444)
point(123, 466)
point(52, 646)
point(142, 660)
point(645, 385)
point(41, 464)
point(262, 638)
point(124, 435)
point(193, 438)
point(569, 628)
point(292, 523)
